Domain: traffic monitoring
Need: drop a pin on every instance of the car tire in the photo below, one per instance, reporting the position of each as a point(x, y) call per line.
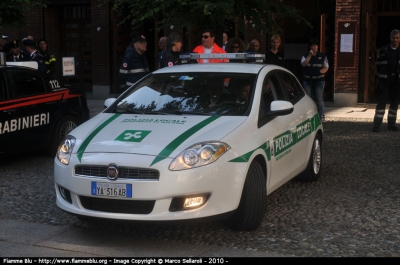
point(250, 213)
point(313, 170)
point(64, 127)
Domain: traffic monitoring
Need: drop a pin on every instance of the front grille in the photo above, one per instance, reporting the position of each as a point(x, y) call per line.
point(117, 206)
point(124, 172)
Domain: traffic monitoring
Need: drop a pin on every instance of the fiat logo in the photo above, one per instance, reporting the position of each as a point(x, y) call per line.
point(112, 172)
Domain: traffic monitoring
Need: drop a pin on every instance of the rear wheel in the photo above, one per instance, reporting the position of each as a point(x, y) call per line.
point(64, 127)
point(313, 170)
point(250, 213)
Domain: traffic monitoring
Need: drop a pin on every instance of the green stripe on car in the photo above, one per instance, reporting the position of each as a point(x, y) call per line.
point(246, 157)
point(283, 142)
point(85, 143)
point(181, 138)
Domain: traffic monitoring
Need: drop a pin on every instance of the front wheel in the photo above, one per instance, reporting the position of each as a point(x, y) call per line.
point(313, 170)
point(250, 213)
point(64, 127)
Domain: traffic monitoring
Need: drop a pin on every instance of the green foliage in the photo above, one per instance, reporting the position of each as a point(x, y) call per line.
point(207, 13)
point(12, 11)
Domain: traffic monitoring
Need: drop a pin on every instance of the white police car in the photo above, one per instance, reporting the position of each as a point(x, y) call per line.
point(198, 141)
point(35, 113)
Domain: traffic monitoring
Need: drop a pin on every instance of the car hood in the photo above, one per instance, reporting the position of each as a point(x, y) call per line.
point(149, 134)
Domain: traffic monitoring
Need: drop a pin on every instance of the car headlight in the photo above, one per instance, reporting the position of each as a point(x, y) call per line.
point(64, 151)
point(198, 155)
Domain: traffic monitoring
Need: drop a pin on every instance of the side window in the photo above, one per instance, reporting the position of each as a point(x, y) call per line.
point(270, 92)
point(27, 84)
point(3, 92)
point(290, 87)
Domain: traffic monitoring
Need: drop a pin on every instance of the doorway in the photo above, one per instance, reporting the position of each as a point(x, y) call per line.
point(76, 39)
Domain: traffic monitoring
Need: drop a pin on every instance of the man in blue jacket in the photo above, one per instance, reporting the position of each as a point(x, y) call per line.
point(315, 66)
point(134, 65)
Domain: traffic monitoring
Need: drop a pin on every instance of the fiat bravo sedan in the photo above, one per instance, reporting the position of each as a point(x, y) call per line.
point(196, 141)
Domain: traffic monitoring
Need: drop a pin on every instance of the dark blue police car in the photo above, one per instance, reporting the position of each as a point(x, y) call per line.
point(36, 113)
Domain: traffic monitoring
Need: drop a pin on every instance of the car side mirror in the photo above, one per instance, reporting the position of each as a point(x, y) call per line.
point(109, 102)
point(280, 108)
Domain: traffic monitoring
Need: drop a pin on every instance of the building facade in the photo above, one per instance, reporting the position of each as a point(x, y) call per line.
point(351, 32)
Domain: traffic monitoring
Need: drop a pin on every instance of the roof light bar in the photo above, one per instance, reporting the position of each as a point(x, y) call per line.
point(260, 56)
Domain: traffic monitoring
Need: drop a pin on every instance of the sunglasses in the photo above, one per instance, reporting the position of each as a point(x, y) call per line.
point(205, 36)
point(235, 47)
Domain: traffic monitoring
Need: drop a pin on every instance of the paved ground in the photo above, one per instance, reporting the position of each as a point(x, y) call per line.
point(351, 211)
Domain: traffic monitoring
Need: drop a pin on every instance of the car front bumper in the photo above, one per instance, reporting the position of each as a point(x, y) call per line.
point(221, 181)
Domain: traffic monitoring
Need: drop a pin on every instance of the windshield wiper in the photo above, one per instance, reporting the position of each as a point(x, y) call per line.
point(178, 112)
point(138, 111)
point(157, 112)
point(130, 110)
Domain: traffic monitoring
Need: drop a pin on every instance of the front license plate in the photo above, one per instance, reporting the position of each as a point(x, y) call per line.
point(112, 189)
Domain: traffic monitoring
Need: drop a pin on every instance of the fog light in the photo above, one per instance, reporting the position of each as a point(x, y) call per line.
point(188, 202)
point(65, 194)
point(194, 202)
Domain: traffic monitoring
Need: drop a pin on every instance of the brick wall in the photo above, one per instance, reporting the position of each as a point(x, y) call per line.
point(347, 79)
point(34, 26)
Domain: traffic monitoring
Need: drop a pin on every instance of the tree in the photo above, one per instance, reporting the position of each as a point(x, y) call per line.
point(12, 12)
point(207, 13)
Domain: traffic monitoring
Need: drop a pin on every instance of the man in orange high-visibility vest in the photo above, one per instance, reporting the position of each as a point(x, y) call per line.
point(208, 46)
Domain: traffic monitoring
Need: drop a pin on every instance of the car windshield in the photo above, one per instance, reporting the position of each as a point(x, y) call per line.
point(222, 94)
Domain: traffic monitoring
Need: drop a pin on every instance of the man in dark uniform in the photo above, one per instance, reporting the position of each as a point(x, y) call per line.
point(15, 55)
point(34, 54)
point(162, 45)
point(171, 55)
point(315, 66)
point(388, 84)
point(4, 47)
point(49, 59)
point(134, 65)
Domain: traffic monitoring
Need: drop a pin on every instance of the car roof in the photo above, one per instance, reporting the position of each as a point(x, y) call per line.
point(244, 68)
point(30, 64)
point(17, 67)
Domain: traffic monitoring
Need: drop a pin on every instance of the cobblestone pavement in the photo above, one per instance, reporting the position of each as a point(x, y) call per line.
point(351, 211)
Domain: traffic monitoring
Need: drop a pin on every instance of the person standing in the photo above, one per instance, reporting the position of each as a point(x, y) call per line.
point(162, 45)
point(171, 54)
point(208, 46)
point(3, 44)
point(224, 40)
point(134, 65)
point(254, 46)
point(49, 59)
point(315, 66)
point(236, 45)
point(15, 54)
point(388, 84)
point(274, 55)
point(34, 54)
